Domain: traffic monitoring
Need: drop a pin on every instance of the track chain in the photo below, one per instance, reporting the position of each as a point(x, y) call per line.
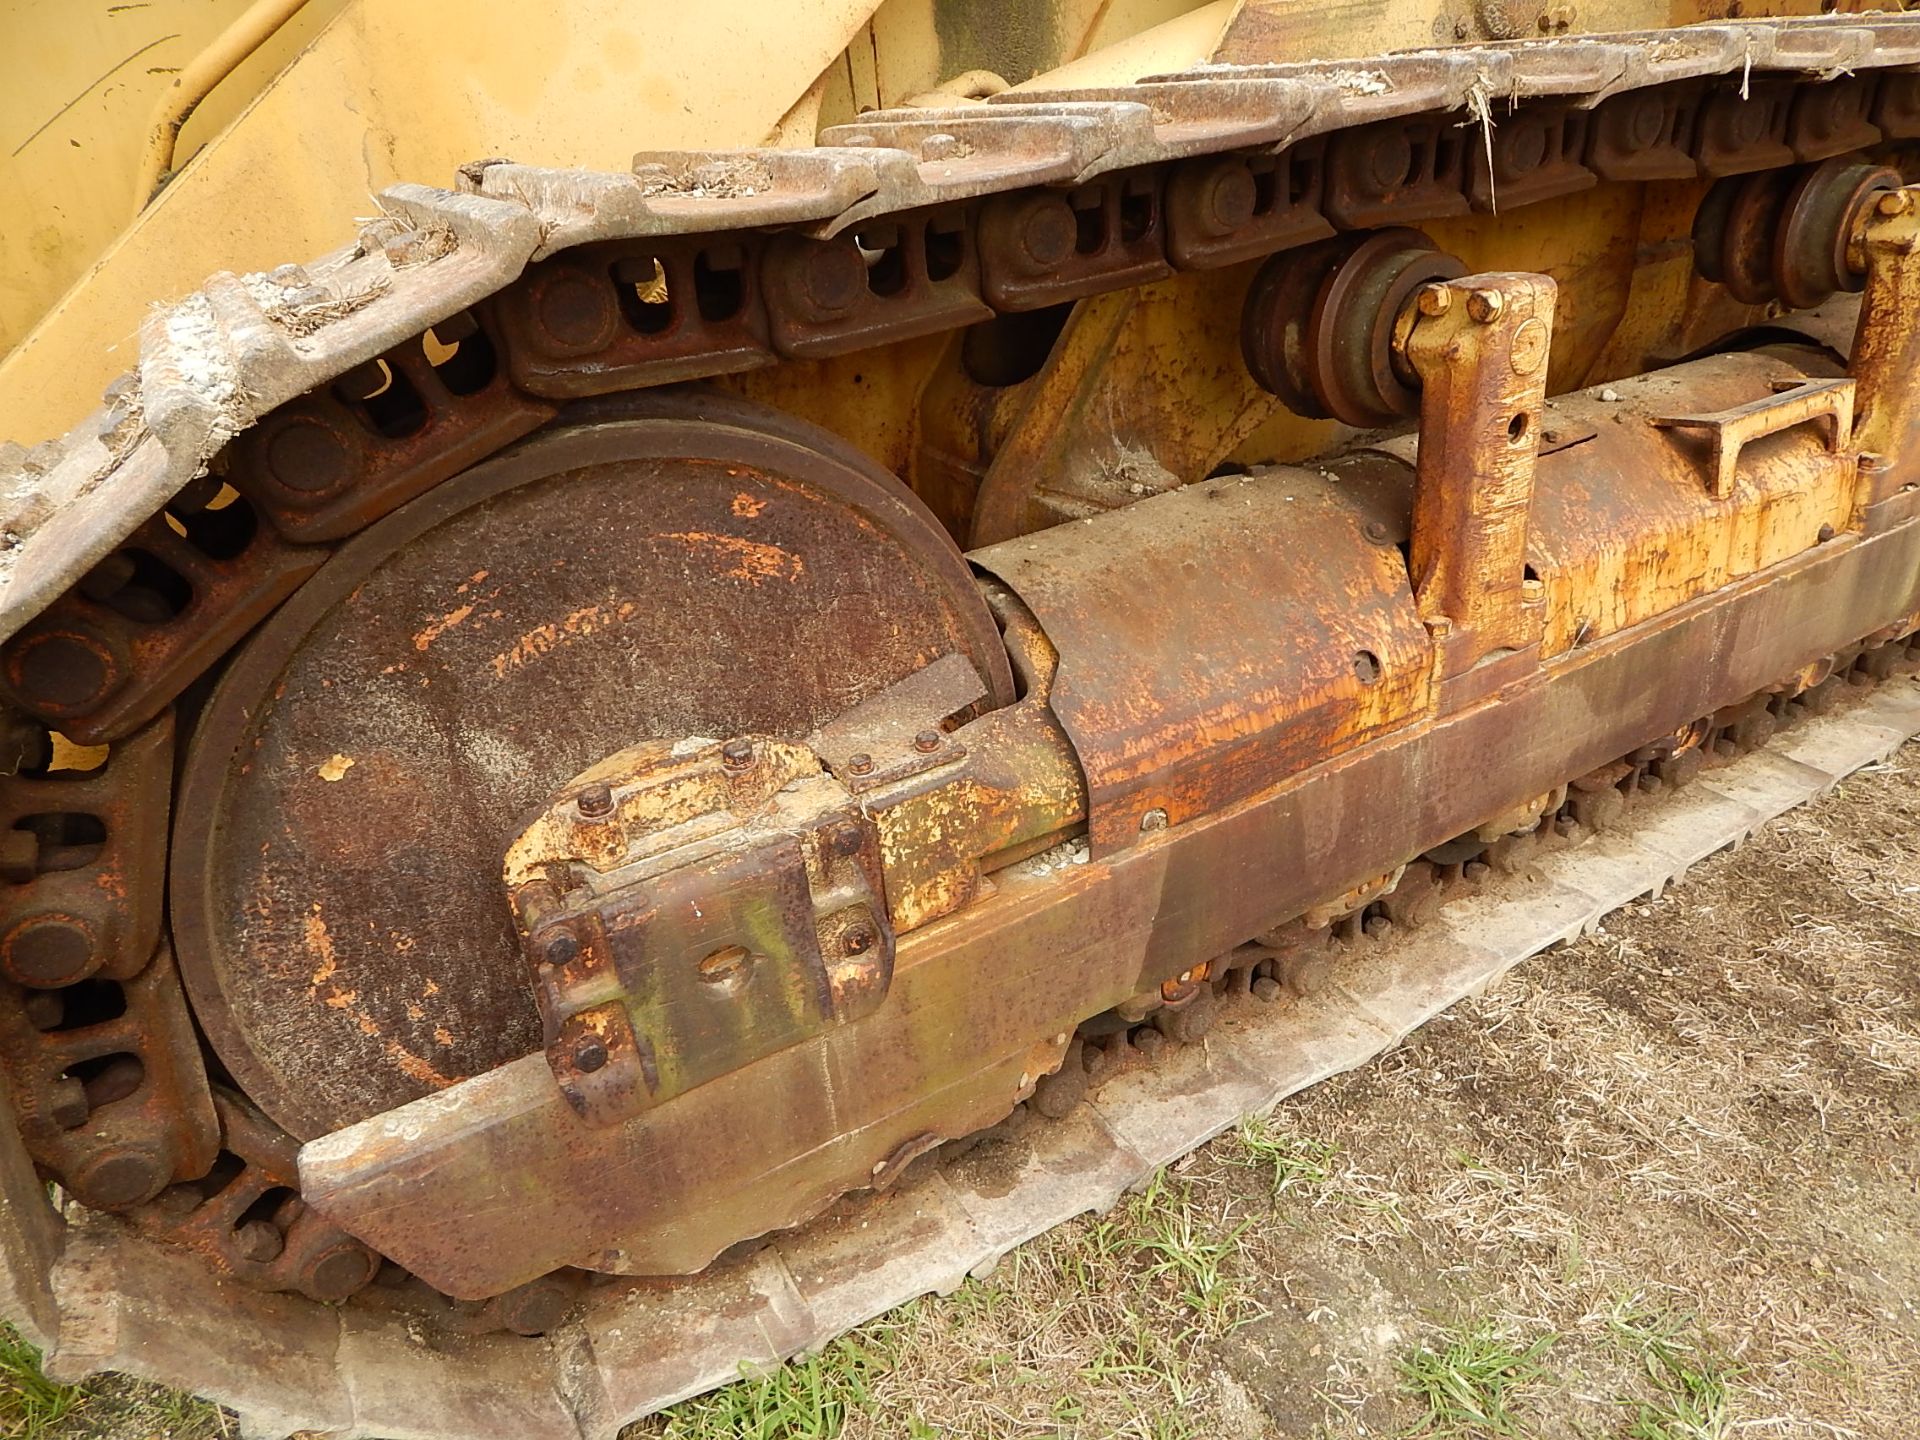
point(275, 416)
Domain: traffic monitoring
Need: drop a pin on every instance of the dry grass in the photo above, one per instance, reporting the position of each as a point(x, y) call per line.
point(1663, 1184)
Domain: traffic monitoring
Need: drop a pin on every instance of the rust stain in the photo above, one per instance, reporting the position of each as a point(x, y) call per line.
point(320, 945)
point(543, 639)
point(752, 560)
point(417, 1069)
point(430, 633)
point(746, 507)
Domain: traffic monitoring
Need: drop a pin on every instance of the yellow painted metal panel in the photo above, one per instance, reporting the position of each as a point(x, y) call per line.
point(410, 90)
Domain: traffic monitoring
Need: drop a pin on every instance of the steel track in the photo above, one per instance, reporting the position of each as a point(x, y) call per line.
point(239, 349)
point(122, 1303)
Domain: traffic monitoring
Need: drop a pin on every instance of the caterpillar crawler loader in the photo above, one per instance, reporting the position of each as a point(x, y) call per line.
point(884, 570)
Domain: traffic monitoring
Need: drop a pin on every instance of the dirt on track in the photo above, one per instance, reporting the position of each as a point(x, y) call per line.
point(1660, 1184)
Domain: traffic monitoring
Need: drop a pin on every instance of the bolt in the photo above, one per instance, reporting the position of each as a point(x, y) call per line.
point(857, 941)
point(259, 1242)
point(48, 951)
point(1826, 533)
point(848, 837)
point(1266, 989)
point(122, 1177)
point(1376, 532)
point(1894, 202)
point(860, 764)
point(927, 741)
point(535, 1307)
point(1047, 233)
point(562, 949)
point(737, 754)
point(336, 1274)
point(595, 801)
point(1435, 300)
point(589, 1055)
point(1485, 305)
point(833, 278)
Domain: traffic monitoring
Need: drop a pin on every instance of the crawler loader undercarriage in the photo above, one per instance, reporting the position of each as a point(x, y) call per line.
point(514, 800)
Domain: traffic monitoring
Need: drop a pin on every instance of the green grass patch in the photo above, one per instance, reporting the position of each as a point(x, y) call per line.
point(1469, 1379)
point(805, 1399)
point(30, 1404)
point(1693, 1380)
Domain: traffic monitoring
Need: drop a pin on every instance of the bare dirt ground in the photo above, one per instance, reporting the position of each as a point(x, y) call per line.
point(1662, 1184)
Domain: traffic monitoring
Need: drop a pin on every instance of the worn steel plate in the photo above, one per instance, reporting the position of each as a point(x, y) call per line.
point(1218, 639)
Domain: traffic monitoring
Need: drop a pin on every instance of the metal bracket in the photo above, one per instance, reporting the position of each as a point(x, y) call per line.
point(1480, 347)
point(1729, 431)
point(687, 909)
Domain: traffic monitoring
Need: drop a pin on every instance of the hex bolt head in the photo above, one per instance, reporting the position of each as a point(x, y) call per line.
point(1154, 819)
point(1894, 202)
point(595, 801)
point(860, 764)
point(1377, 532)
point(857, 941)
point(737, 754)
point(1485, 305)
point(927, 741)
point(589, 1055)
point(1435, 300)
point(340, 1272)
point(561, 949)
point(258, 1241)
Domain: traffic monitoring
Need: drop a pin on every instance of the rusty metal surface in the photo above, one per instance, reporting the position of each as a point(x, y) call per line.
point(1625, 526)
point(1175, 716)
point(332, 897)
point(338, 458)
point(246, 1217)
point(1321, 330)
point(84, 849)
point(433, 253)
point(1479, 346)
point(1886, 345)
point(113, 652)
point(108, 1084)
point(1107, 151)
point(1140, 915)
point(685, 910)
point(1824, 403)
